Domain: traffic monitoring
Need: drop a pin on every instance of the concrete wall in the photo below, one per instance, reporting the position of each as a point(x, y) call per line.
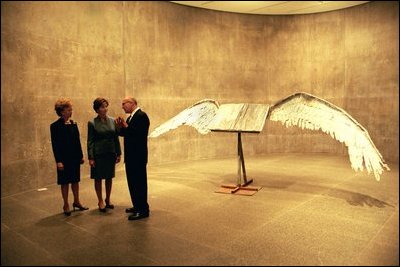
point(170, 56)
point(49, 50)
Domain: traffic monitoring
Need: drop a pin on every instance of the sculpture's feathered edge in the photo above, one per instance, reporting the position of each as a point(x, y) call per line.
point(310, 112)
point(199, 116)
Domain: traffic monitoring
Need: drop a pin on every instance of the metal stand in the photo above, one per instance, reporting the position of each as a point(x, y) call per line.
point(240, 188)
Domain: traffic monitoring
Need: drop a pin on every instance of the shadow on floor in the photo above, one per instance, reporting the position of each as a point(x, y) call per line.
point(51, 221)
point(357, 199)
point(282, 182)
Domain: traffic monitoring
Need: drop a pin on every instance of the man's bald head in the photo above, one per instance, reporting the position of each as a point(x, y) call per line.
point(130, 99)
point(129, 104)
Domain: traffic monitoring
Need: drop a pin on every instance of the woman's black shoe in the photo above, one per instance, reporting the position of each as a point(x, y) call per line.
point(79, 206)
point(109, 206)
point(102, 209)
point(67, 212)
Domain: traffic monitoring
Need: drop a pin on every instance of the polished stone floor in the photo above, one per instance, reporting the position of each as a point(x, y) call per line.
point(313, 209)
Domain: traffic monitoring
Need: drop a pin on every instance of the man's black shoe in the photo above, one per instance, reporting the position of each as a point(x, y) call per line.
point(130, 210)
point(138, 215)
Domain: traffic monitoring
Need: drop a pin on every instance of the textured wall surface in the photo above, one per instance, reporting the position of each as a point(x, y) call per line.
point(170, 56)
point(49, 50)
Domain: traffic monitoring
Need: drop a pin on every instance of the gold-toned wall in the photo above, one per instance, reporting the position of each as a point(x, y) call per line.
point(49, 50)
point(170, 56)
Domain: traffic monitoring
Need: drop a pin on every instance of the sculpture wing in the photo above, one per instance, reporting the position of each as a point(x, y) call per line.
point(198, 116)
point(310, 112)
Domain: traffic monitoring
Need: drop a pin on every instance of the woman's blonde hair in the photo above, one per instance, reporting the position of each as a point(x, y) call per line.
point(61, 104)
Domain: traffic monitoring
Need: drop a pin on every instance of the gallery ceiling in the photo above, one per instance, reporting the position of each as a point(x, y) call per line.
point(272, 7)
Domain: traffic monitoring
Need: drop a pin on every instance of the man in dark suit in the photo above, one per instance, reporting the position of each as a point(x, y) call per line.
point(135, 130)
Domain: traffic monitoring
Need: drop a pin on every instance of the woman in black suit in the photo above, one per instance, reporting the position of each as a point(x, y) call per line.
point(67, 153)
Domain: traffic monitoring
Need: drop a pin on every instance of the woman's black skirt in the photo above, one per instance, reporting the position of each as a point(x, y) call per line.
point(70, 174)
point(104, 166)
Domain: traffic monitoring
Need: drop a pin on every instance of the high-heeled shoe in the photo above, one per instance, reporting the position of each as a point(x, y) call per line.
point(67, 212)
point(79, 206)
point(109, 206)
point(102, 209)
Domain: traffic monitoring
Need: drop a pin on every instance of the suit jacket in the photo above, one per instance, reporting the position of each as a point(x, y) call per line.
point(135, 138)
point(66, 142)
point(102, 138)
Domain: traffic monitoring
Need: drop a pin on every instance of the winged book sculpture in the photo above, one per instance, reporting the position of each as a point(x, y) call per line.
point(301, 109)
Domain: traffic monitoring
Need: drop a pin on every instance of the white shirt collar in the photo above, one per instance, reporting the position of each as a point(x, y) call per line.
point(133, 112)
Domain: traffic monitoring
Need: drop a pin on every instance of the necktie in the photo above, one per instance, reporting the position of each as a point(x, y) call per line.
point(129, 119)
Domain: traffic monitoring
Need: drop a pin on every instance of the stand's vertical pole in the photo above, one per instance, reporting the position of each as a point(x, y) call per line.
point(242, 160)
point(239, 175)
point(241, 166)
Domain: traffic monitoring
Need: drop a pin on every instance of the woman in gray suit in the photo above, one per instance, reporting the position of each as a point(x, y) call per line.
point(104, 151)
